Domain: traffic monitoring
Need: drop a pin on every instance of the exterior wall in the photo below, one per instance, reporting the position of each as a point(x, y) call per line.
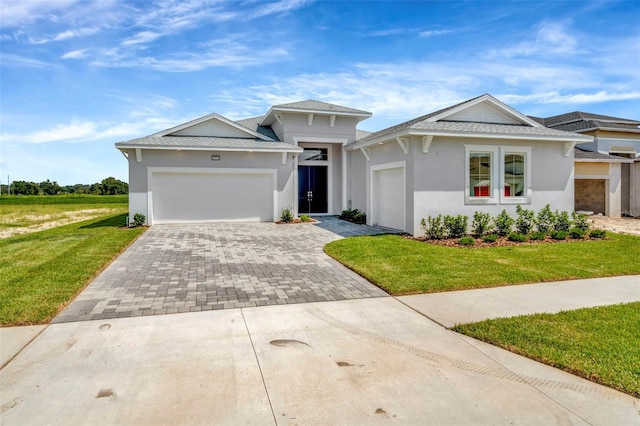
point(625, 182)
point(357, 189)
point(592, 169)
point(608, 142)
point(634, 190)
point(138, 187)
point(212, 128)
point(590, 195)
point(483, 113)
point(436, 180)
point(296, 128)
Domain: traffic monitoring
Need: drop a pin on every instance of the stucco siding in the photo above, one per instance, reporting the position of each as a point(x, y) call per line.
point(592, 169)
point(138, 172)
point(357, 195)
point(436, 180)
point(297, 129)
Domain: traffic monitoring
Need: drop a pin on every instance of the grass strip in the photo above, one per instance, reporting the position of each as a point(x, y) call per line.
point(404, 266)
point(600, 344)
point(43, 271)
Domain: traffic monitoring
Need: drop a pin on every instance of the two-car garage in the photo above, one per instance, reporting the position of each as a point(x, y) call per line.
point(180, 195)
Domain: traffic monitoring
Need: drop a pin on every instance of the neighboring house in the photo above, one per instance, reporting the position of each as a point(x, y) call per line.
point(477, 155)
point(608, 183)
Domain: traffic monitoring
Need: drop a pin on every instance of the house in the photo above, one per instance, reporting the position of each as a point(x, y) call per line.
point(476, 155)
point(608, 168)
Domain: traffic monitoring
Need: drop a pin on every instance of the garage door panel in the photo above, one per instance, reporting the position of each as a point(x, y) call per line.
point(199, 197)
point(388, 197)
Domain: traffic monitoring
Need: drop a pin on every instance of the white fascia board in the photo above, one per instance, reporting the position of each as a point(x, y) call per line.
point(392, 137)
point(294, 149)
point(359, 115)
point(603, 160)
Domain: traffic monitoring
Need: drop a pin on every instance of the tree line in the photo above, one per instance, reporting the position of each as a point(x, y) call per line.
point(108, 186)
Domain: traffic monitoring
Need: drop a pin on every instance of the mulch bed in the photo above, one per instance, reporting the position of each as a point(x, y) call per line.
point(296, 221)
point(501, 242)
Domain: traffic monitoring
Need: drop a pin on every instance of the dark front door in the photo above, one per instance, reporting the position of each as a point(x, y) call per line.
point(312, 189)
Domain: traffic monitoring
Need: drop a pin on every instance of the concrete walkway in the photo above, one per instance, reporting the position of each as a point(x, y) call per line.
point(365, 361)
point(460, 307)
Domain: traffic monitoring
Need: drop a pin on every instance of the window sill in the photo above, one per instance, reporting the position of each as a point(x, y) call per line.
point(480, 201)
point(515, 200)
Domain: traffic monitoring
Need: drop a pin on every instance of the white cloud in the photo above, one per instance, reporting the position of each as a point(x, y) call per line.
point(74, 130)
point(75, 54)
point(573, 98)
point(552, 38)
point(433, 33)
point(11, 59)
point(141, 38)
point(16, 13)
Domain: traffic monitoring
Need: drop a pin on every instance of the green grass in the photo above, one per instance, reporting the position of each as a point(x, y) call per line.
point(600, 344)
point(43, 271)
point(7, 200)
point(403, 266)
point(27, 211)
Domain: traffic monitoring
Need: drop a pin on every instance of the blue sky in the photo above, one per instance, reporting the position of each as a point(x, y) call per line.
point(78, 76)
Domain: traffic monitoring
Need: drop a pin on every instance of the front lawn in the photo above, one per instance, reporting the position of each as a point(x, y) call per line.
point(43, 271)
point(600, 344)
point(404, 266)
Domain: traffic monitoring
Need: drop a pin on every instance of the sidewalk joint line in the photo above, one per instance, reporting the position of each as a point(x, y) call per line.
point(255, 354)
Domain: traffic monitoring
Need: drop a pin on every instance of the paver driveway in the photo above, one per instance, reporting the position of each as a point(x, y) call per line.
point(200, 267)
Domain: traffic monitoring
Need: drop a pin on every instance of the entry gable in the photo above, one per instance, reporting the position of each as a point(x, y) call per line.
point(212, 125)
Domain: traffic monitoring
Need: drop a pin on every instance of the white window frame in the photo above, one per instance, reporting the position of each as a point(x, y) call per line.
point(498, 181)
point(495, 178)
point(520, 150)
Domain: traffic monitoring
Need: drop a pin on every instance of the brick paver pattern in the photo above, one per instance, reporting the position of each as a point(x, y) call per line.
point(198, 267)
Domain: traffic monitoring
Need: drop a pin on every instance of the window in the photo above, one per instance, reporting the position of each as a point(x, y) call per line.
point(497, 174)
point(314, 154)
point(514, 177)
point(480, 174)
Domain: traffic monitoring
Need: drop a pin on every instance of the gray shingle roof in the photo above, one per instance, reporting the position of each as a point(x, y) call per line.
point(462, 127)
point(361, 134)
point(320, 106)
point(580, 154)
point(252, 123)
point(207, 143)
point(578, 121)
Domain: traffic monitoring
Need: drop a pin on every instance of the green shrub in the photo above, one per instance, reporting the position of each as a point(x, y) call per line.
point(305, 218)
point(538, 236)
point(559, 235)
point(287, 215)
point(355, 216)
point(360, 218)
point(545, 219)
point(139, 219)
point(576, 233)
point(597, 233)
point(480, 224)
point(433, 227)
point(525, 220)
point(503, 223)
point(562, 221)
point(491, 238)
point(580, 221)
point(518, 238)
point(456, 225)
point(466, 241)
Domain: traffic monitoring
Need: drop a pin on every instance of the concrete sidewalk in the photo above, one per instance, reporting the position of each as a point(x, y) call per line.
point(365, 361)
point(459, 307)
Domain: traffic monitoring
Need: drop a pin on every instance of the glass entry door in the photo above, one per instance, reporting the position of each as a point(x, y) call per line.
point(312, 189)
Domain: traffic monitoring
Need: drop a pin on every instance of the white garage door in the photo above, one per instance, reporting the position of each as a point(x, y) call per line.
point(212, 196)
point(388, 198)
